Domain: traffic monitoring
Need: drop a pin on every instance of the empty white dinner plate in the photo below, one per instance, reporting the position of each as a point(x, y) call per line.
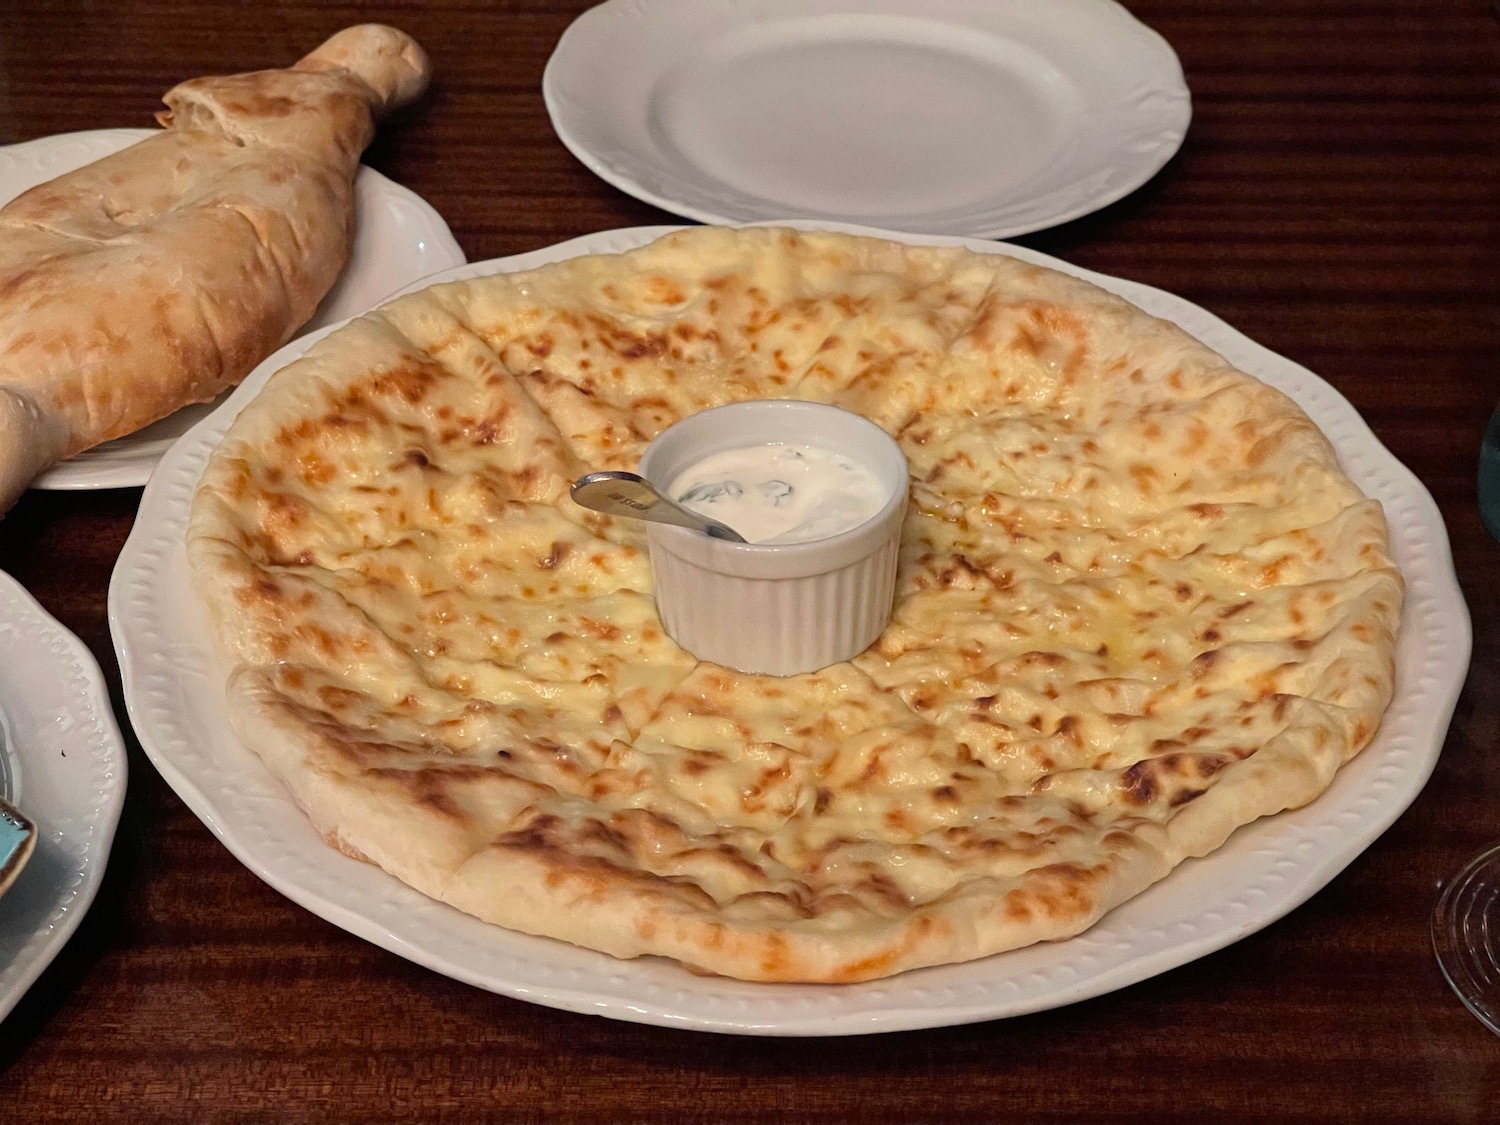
point(986, 118)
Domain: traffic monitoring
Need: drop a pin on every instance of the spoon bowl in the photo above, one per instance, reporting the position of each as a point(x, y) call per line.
point(633, 496)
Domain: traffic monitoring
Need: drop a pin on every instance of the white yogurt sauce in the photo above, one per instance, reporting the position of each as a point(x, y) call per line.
point(781, 493)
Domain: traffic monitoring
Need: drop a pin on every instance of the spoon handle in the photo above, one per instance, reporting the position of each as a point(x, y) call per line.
point(632, 495)
point(17, 841)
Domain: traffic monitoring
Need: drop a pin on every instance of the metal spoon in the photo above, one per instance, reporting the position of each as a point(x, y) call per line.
point(630, 494)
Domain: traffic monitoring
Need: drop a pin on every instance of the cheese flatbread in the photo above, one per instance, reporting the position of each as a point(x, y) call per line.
point(1138, 606)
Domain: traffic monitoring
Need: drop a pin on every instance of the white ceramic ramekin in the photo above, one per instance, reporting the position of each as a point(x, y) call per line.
point(781, 608)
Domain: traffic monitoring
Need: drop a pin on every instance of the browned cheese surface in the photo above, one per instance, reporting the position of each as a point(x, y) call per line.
point(1138, 606)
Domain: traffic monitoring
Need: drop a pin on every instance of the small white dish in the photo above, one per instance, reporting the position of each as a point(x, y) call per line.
point(62, 763)
point(987, 118)
point(398, 239)
point(174, 689)
point(784, 608)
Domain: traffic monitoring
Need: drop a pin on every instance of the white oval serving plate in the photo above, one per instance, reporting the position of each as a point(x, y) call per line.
point(398, 239)
point(174, 690)
point(986, 118)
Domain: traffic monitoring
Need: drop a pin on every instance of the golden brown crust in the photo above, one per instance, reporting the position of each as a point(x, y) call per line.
point(162, 274)
point(1138, 606)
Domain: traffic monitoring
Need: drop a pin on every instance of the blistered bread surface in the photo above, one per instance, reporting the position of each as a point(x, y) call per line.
point(1138, 606)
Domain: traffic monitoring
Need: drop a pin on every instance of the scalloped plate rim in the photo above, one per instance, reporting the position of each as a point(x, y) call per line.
point(97, 807)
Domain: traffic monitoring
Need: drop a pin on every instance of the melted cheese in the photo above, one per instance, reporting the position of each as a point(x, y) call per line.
point(1137, 606)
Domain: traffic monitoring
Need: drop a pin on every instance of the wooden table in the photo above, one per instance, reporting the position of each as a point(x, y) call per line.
point(1338, 199)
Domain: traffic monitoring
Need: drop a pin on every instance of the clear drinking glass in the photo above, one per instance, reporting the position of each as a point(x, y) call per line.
point(1466, 919)
point(1466, 935)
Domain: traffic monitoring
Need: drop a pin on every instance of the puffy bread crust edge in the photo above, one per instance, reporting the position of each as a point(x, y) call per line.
point(628, 917)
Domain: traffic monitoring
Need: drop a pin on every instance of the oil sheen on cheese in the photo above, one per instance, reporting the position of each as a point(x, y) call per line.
point(781, 493)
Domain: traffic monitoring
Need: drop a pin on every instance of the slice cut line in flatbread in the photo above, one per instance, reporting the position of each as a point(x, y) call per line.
point(1139, 605)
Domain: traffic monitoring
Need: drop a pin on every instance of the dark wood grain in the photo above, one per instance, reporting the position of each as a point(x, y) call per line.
point(1338, 199)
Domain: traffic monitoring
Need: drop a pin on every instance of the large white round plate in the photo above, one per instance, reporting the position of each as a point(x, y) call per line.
point(174, 690)
point(986, 118)
point(398, 239)
point(61, 763)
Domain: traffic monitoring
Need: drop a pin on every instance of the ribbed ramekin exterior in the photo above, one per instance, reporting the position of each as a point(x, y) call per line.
point(776, 626)
point(787, 608)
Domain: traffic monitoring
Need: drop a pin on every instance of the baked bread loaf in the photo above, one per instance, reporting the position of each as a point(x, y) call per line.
point(162, 274)
point(1138, 606)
